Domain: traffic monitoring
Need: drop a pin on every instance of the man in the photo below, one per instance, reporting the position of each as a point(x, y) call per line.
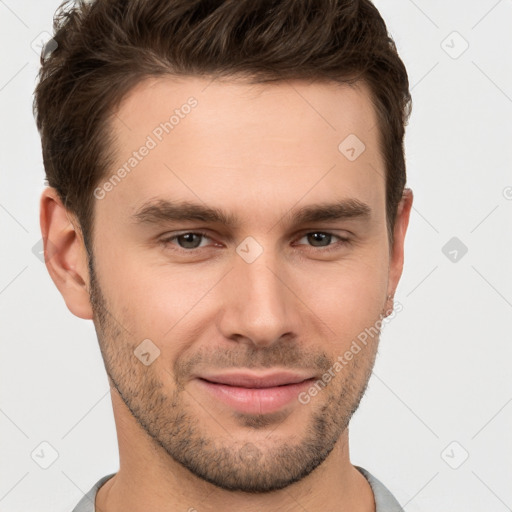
point(226, 202)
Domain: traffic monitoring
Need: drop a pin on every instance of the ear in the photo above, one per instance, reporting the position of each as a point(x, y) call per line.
point(396, 262)
point(65, 253)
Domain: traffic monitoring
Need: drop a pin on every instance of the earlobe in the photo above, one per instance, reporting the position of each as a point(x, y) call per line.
point(65, 253)
point(397, 251)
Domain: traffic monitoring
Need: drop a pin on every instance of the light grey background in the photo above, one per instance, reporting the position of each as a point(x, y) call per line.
point(443, 371)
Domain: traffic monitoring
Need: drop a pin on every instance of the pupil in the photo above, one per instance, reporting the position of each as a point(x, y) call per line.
point(189, 243)
point(319, 237)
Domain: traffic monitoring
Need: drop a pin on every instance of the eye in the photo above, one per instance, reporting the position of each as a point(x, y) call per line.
point(187, 240)
point(323, 239)
point(190, 240)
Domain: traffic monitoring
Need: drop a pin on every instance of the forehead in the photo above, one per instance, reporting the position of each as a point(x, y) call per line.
point(252, 147)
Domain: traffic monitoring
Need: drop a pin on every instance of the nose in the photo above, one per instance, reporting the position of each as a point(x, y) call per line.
point(259, 306)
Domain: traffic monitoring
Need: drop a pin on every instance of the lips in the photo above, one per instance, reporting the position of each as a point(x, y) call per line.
point(252, 393)
point(255, 381)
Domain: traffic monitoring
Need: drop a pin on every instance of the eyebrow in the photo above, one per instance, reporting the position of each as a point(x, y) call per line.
point(162, 210)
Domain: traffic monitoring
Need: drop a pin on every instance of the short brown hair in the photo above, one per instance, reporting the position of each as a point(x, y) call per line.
point(105, 47)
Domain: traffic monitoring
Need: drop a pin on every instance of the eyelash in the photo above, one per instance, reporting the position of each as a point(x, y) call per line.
point(342, 241)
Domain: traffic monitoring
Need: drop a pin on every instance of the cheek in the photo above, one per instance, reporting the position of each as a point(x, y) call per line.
point(157, 301)
point(154, 300)
point(347, 296)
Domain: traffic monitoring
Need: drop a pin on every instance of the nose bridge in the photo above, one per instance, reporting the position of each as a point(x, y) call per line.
point(258, 307)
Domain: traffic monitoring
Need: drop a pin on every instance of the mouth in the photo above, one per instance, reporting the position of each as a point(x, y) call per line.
point(255, 394)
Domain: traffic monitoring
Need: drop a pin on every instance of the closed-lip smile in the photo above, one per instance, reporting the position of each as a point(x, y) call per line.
point(255, 393)
point(253, 380)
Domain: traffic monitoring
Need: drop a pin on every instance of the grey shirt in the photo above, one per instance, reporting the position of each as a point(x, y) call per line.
point(384, 500)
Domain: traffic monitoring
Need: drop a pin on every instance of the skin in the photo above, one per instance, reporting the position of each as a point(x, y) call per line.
point(259, 152)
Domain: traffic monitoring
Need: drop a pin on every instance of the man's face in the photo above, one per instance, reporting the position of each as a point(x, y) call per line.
point(266, 293)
